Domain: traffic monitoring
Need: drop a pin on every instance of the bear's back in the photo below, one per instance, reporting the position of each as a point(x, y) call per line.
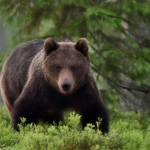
point(15, 70)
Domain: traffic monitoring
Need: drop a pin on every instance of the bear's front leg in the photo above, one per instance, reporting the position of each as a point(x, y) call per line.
point(91, 115)
point(92, 106)
point(24, 108)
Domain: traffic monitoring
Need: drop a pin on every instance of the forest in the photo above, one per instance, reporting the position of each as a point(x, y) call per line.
point(118, 32)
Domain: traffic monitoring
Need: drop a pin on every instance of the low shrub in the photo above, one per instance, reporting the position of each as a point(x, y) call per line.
point(127, 131)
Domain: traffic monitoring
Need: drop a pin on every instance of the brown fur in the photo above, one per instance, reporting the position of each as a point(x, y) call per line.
point(40, 79)
point(65, 75)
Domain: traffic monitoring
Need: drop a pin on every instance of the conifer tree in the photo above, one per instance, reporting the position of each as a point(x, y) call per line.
point(117, 31)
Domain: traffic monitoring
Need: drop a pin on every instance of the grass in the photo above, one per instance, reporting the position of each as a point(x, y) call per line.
point(127, 131)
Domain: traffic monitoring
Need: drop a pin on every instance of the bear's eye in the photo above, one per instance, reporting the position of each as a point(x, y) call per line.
point(58, 68)
point(73, 68)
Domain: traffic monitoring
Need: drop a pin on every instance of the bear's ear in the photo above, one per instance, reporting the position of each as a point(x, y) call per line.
point(82, 46)
point(50, 45)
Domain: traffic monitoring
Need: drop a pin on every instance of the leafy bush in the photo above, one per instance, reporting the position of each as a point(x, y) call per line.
point(127, 131)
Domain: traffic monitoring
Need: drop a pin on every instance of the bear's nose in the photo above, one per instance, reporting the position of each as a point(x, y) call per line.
point(66, 86)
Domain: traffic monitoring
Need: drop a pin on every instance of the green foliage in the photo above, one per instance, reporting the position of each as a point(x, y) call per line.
point(127, 131)
point(118, 44)
point(114, 50)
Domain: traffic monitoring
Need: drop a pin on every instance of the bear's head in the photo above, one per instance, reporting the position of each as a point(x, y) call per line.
point(66, 64)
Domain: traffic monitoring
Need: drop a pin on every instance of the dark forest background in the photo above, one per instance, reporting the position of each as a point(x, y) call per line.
point(118, 32)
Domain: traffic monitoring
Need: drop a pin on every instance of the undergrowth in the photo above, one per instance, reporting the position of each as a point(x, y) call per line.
point(127, 131)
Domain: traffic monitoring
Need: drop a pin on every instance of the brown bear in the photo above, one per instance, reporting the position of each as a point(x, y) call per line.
point(41, 79)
